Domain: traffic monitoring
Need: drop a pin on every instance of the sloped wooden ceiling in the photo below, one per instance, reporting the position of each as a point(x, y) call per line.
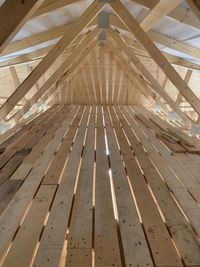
point(101, 80)
point(51, 53)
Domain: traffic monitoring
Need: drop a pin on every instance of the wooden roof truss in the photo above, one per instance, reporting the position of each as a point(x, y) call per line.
point(79, 46)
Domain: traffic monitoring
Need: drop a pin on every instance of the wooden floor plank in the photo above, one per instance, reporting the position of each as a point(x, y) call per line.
point(190, 144)
point(26, 140)
point(9, 136)
point(81, 224)
point(29, 162)
point(80, 231)
point(180, 229)
point(15, 146)
point(162, 249)
point(55, 170)
point(7, 191)
point(10, 188)
point(107, 252)
point(79, 257)
point(22, 248)
point(16, 128)
point(10, 219)
point(172, 158)
point(52, 240)
point(190, 162)
point(178, 182)
point(182, 164)
point(135, 247)
point(26, 127)
point(23, 150)
point(12, 165)
point(95, 186)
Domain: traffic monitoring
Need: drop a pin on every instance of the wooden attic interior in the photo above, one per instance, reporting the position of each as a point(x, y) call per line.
point(99, 133)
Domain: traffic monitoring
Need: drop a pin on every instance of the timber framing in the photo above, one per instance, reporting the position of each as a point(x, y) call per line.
point(99, 134)
point(67, 66)
point(159, 11)
point(67, 39)
point(70, 35)
point(19, 12)
point(154, 84)
point(157, 56)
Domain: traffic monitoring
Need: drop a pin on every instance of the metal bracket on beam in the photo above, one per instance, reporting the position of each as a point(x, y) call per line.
point(101, 44)
point(102, 36)
point(104, 20)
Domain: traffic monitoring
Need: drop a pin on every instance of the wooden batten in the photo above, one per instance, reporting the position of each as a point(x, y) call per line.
point(99, 134)
point(157, 56)
point(19, 12)
point(67, 39)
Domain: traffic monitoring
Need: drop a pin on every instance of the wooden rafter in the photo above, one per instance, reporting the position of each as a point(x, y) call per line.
point(142, 37)
point(175, 44)
point(157, 56)
point(13, 15)
point(163, 8)
point(67, 39)
point(181, 14)
point(160, 39)
point(52, 5)
point(37, 39)
point(187, 79)
point(140, 51)
point(73, 71)
point(34, 56)
point(155, 85)
point(163, 40)
point(30, 69)
point(16, 81)
point(164, 85)
point(195, 7)
point(79, 52)
point(131, 73)
point(59, 31)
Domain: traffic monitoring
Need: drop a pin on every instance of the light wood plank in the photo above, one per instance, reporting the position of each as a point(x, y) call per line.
point(163, 251)
point(23, 170)
point(195, 7)
point(180, 229)
point(67, 39)
point(154, 84)
point(19, 12)
point(165, 166)
point(181, 13)
point(135, 77)
point(86, 44)
point(52, 241)
point(16, 81)
point(135, 248)
point(107, 251)
point(54, 172)
point(157, 56)
point(163, 8)
point(187, 78)
point(52, 5)
point(79, 257)
point(80, 231)
point(29, 232)
point(7, 191)
point(10, 219)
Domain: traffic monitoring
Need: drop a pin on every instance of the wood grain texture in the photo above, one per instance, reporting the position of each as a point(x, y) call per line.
point(100, 188)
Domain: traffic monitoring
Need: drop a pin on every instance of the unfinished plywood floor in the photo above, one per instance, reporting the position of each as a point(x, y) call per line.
point(85, 186)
